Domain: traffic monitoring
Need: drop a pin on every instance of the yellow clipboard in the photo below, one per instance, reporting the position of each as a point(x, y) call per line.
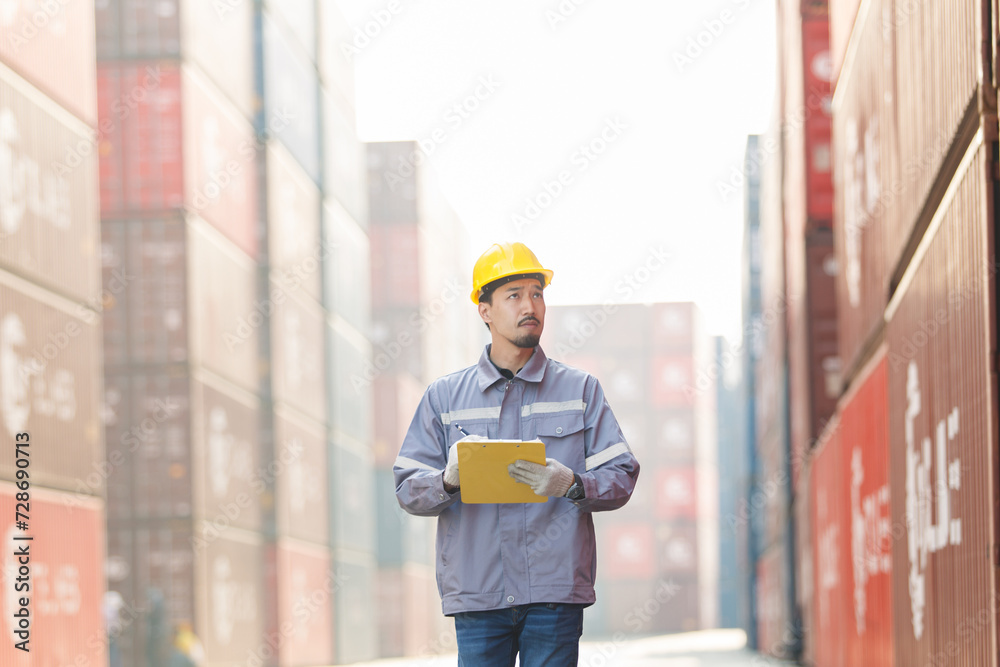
point(482, 470)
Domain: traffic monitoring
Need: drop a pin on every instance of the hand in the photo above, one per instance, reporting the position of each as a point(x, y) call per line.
point(451, 471)
point(551, 479)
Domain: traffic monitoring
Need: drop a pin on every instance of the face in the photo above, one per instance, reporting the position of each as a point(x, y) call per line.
point(517, 312)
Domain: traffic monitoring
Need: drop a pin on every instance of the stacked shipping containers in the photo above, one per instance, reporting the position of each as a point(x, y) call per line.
point(660, 550)
point(423, 327)
point(243, 451)
point(903, 486)
point(50, 356)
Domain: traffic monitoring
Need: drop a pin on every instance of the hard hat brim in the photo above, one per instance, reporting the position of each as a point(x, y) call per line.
point(546, 273)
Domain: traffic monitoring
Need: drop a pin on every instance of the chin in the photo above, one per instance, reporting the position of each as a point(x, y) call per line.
point(527, 340)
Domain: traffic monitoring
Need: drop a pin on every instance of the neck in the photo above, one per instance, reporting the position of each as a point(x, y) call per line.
point(506, 355)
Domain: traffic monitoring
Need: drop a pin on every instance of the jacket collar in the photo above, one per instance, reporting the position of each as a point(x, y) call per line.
point(533, 371)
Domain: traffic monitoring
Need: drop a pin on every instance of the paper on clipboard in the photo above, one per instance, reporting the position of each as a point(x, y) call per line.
point(482, 470)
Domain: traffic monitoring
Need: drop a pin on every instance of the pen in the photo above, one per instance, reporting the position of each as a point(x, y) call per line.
point(459, 427)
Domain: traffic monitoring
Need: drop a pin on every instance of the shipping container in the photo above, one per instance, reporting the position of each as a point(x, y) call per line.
point(673, 326)
point(297, 353)
point(817, 127)
point(391, 196)
point(116, 415)
point(336, 58)
point(51, 44)
point(220, 162)
point(344, 158)
point(295, 252)
point(229, 478)
point(395, 266)
point(672, 381)
point(229, 600)
point(355, 617)
point(409, 610)
point(50, 386)
point(352, 512)
point(297, 19)
point(145, 292)
point(307, 588)
point(138, 29)
point(674, 436)
point(778, 632)
point(677, 548)
point(153, 444)
point(350, 401)
point(348, 291)
point(842, 31)
point(395, 398)
point(291, 99)
point(225, 311)
point(659, 606)
point(48, 185)
point(628, 552)
point(866, 181)
point(943, 78)
point(218, 38)
point(139, 139)
point(65, 557)
point(941, 335)
point(676, 493)
point(299, 475)
point(600, 330)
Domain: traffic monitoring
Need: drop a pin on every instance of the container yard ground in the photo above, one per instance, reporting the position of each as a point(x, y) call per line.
point(709, 648)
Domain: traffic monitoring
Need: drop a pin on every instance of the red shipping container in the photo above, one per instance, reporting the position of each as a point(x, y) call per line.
point(672, 381)
point(293, 203)
point(676, 493)
point(395, 266)
point(225, 312)
point(51, 44)
point(306, 588)
point(297, 353)
point(300, 478)
point(677, 547)
point(64, 558)
point(657, 606)
point(229, 478)
point(50, 386)
point(818, 75)
point(867, 184)
point(220, 162)
point(140, 143)
point(48, 206)
point(628, 552)
point(229, 602)
point(942, 339)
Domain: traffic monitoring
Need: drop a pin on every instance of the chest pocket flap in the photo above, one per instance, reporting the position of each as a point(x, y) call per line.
point(559, 425)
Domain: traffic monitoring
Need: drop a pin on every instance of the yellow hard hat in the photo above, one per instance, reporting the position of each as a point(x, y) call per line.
point(503, 260)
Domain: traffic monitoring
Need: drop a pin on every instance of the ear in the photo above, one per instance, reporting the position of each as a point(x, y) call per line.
point(484, 312)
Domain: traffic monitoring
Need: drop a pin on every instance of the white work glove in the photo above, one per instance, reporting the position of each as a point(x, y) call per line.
point(451, 471)
point(551, 479)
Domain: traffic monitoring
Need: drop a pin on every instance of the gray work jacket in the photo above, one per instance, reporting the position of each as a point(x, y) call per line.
point(493, 556)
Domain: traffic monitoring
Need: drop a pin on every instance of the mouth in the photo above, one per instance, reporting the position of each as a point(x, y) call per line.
point(529, 323)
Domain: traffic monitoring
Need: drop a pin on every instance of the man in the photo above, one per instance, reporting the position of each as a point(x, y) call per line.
point(516, 577)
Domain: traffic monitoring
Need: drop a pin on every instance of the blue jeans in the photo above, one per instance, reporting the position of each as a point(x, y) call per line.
point(546, 635)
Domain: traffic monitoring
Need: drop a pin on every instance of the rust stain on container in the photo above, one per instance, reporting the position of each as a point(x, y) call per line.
point(941, 334)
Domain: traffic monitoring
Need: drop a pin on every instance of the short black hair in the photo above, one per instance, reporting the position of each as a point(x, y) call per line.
point(489, 288)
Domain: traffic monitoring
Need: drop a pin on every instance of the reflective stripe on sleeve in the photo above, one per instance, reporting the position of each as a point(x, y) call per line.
point(405, 462)
point(470, 413)
point(602, 457)
point(563, 406)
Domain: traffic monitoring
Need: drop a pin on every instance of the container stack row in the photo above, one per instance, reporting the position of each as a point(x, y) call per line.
point(52, 473)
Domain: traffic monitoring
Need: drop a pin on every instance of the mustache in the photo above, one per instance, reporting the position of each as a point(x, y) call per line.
point(529, 318)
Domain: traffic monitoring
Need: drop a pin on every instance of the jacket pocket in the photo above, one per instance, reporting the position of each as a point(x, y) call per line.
point(563, 435)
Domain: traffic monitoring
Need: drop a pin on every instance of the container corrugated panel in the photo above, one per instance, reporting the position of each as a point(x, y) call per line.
point(395, 265)
point(941, 334)
point(229, 477)
point(842, 26)
point(392, 616)
point(140, 145)
point(117, 431)
point(824, 359)
point(398, 338)
point(218, 37)
point(673, 436)
point(66, 581)
point(306, 590)
point(671, 381)
point(941, 79)
point(628, 552)
point(775, 629)
point(293, 201)
point(48, 179)
point(677, 548)
point(133, 29)
point(656, 606)
point(157, 444)
point(300, 478)
point(221, 162)
point(344, 158)
point(816, 67)
point(145, 292)
point(676, 493)
point(225, 313)
point(51, 44)
point(229, 599)
point(297, 353)
point(349, 270)
point(866, 180)
point(350, 402)
point(336, 65)
point(354, 615)
point(351, 510)
point(395, 397)
point(391, 201)
point(50, 385)
point(291, 99)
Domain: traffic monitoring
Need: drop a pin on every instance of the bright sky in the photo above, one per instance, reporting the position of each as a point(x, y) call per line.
point(663, 91)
